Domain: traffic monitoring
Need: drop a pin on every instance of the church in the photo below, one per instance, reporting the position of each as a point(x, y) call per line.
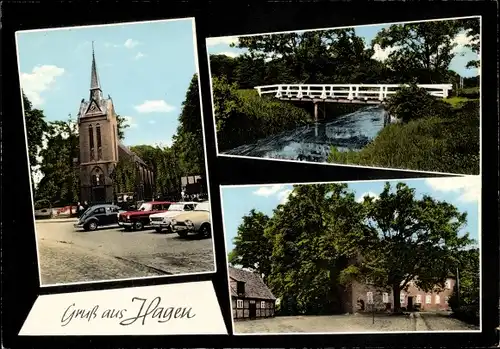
point(101, 149)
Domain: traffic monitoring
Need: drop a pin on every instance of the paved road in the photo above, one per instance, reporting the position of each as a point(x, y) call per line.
point(443, 322)
point(67, 255)
point(344, 323)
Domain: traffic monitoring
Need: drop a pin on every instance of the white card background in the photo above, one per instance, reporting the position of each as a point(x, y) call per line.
point(188, 308)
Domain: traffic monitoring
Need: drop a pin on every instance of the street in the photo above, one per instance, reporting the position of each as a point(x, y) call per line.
point(68, 255)
point(352, 323)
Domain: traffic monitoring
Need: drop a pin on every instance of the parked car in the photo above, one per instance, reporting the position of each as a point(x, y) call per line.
point(43, 209)
point(137, 220)
point(104, 215)
point(194, 222)
point(162, 220)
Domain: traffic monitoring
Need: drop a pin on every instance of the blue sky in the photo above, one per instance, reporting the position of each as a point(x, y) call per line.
point(463, 192)
point(145, 67)
point(368, 33)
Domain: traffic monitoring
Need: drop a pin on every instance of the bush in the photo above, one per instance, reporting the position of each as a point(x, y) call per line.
point(412, 102)
point(470, 93)
point(242, 116)
point(431, 143)
point(467, 313)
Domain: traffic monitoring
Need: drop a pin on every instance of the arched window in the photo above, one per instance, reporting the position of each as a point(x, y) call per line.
point(91, 142)
point(94, 180)
point(99, 141)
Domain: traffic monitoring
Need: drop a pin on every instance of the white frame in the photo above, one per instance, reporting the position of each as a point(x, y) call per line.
point(239, 304)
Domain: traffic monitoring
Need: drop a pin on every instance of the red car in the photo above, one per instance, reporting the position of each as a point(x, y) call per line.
point(137, 220)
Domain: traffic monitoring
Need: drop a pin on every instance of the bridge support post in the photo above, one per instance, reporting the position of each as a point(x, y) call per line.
point(315, 111)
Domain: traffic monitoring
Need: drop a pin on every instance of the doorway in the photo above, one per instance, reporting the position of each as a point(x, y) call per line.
point(252, 310)
point(410, 304)
point(99, 194)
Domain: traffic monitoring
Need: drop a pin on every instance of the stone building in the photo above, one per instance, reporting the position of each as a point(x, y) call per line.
point(359, 295)
point(100, 148)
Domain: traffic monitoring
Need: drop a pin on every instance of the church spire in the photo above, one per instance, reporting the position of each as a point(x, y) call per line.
point(95, 86)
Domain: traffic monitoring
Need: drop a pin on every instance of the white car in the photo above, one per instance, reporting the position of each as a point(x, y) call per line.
point(163, 220)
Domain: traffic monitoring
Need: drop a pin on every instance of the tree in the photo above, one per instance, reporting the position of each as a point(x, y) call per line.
point(314, 236)
point(36, 127)
point(468, 279)
point(472, 27)
point(416, 240)
point(252, 248)
point(421, 51)
point(60, 183)
point(122, 124)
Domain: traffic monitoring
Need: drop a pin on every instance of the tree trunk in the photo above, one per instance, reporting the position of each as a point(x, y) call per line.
point(396, 291)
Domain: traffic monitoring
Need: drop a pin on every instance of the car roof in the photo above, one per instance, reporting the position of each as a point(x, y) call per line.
point(103, 205)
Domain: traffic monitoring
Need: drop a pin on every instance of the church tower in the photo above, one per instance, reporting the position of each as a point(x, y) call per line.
point(98, 134)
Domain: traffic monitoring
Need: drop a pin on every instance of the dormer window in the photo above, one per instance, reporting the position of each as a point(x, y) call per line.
point(240, 288)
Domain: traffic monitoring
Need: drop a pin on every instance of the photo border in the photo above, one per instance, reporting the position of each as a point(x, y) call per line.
point(197, 72)
point(352, 165)
point(422, 179)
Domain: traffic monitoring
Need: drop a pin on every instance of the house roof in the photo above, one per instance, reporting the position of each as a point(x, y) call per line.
point(254, 285)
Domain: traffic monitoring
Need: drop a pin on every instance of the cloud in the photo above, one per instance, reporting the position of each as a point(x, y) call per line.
point(156, 106)
point(130, 43)
point(129, 120)
point(223, 40)
point(139, 55)
point(284, 195)
point(462, 40)
point(41, 79)
point(268, 190)
point(361, 198)
point(467, 187)
point(229, 54)
point(381, 54)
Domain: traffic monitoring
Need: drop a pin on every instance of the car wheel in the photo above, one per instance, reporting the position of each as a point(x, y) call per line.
point(205, 230)
point(138, 225)
point(158, 230)
point(182, 234)
point(92, 226)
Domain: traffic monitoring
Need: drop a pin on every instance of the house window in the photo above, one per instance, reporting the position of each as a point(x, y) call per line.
point(419, 299)
point(428, 299)
point(402, 298)
point(385, 297)
point(239, 304)
point(369, 297)
point(240, 287)
point(437, 299)
point(263, 304)
point(91, 141)
point(447, 284)
point(99, 141)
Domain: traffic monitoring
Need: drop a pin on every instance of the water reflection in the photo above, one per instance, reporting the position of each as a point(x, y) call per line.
point(313, 142)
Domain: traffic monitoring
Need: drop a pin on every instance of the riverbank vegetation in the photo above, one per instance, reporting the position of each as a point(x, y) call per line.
point(53, 146)
point(341, 56)
point(309, 249)
point(433, 135)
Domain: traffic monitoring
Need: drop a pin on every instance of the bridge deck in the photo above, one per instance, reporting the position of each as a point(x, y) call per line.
point(344, 93)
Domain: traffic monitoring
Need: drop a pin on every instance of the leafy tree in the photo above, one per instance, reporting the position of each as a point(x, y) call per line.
point(468, 278)
point(252, 248)
point(122, 124)
point(472, 27)
point(421, 51)
point(222, 65)
point(60, 183)
point(417, 240)
point(36, 127)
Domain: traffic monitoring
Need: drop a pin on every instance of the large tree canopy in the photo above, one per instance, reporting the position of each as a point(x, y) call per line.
point(322, 239)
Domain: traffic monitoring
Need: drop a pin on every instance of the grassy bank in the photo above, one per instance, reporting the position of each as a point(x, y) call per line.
point(249, 117)
point(434, 143)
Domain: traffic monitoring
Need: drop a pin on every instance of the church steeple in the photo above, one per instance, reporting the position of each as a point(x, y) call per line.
point(95, 86)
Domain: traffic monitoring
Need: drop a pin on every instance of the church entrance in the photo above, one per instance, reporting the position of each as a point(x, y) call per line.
point(98, 195)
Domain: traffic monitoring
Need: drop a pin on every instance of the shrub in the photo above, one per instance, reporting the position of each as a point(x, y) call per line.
point(412, 102)
point(431, 143)
point(470, 93)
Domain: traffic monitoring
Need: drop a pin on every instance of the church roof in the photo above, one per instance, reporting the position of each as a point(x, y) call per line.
point(129, 152)
point(94, 77)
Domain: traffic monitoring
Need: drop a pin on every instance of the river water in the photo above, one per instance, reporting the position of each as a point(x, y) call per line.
point(313, 142)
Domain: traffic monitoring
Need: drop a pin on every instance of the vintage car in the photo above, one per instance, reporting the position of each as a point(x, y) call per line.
point(195, 222)
point(104, 215)
point(162, 220)
point(137, 220)
point(43, 209)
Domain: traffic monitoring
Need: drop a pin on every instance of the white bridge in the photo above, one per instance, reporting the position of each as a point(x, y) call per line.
point(344, 93)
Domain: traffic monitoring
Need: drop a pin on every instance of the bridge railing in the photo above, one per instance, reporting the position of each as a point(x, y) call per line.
point(345, 91)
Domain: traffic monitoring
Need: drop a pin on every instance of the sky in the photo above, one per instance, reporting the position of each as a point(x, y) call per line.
point(464, 192)
point(220, 45)
point(145, 67)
